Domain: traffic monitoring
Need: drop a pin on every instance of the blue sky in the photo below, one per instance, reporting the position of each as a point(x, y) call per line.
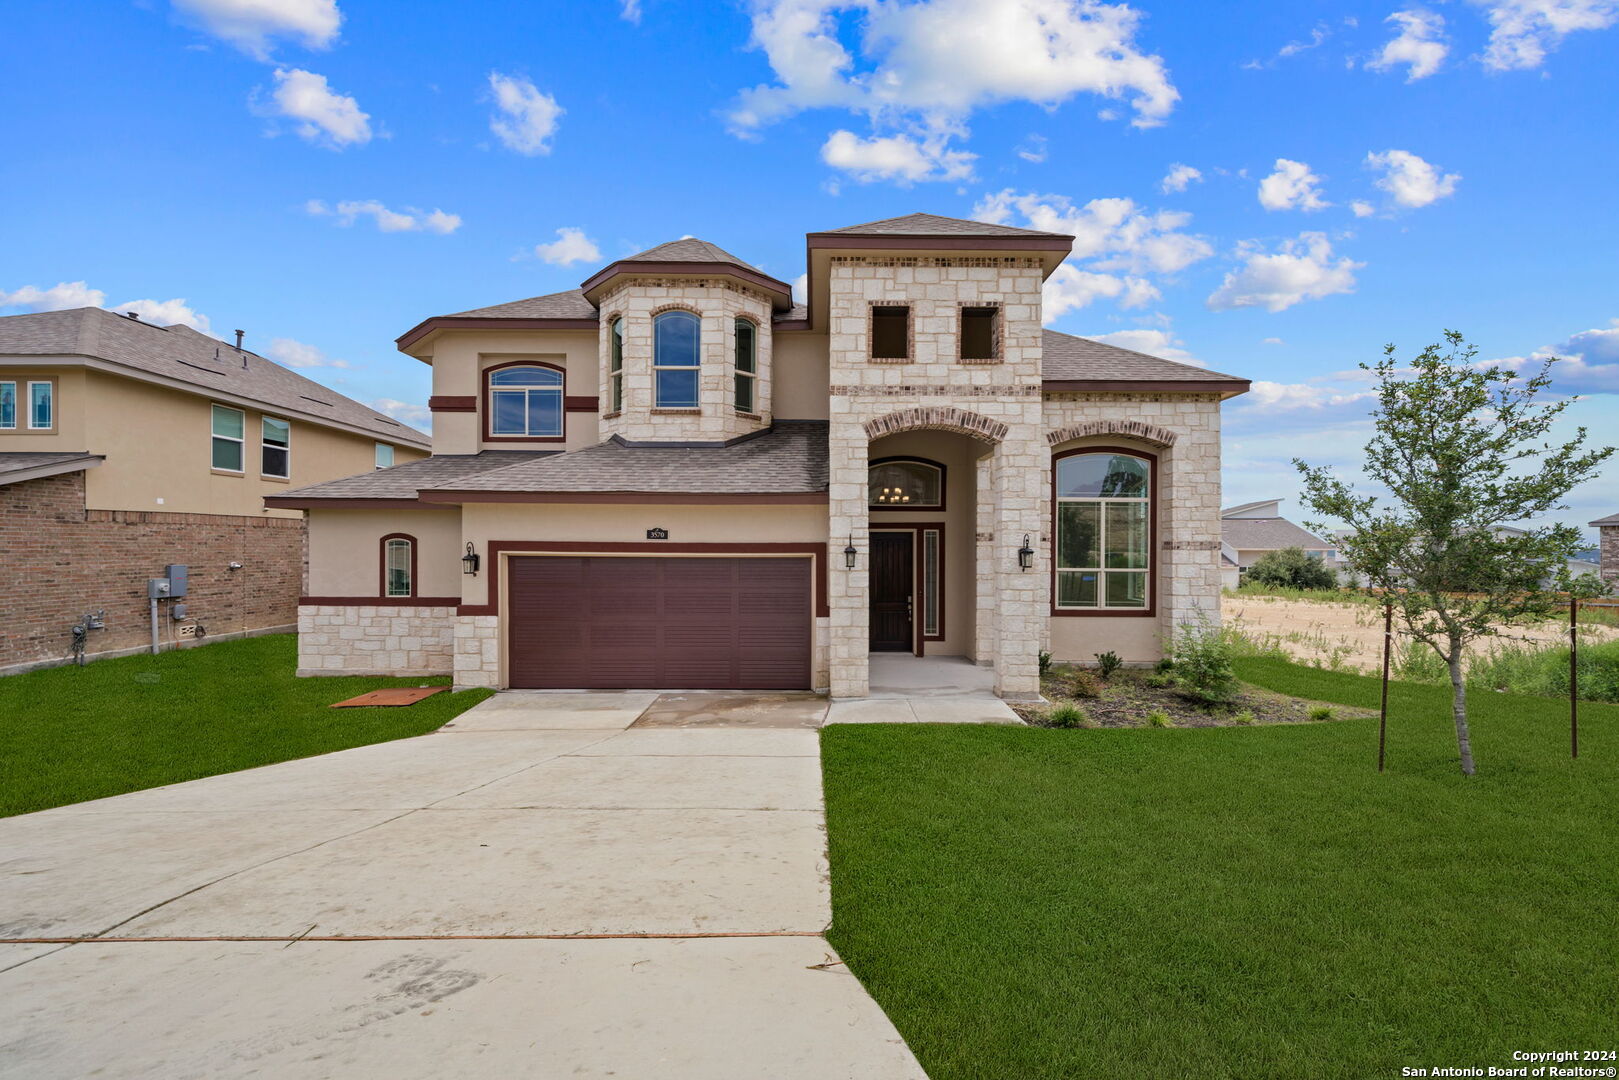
point(324, 175)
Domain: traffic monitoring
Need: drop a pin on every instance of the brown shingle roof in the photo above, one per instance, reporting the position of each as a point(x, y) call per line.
point(1076, 359)
point(686, 249)
point(1268, 534)
point(407, 480)
point(1611, 519)
point(933, 225)
point(182, 354)
point(562, 305)
point(790, 458)
point(21, 465)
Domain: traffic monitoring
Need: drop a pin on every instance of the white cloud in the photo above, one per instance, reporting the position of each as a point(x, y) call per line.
point(570, 246)
point(1115, 232)
point(296, 354)
point(174, 312)
point(409, 219)
point(1410, 180)
point(250, 24)
point(1273, 397)
point(630, 11)
point(323, 116)
point(801, 289)
point(1291, 187)
point(896, 157)
point(1069, 288)
point(525, 118)
point(1420, 44)
point(1152, 342)
point(1179, 177)
point(59, 297)
point(418, 416)
point(1524, 31)
point(1362, 208)
point(1588, 362)
point(1273, 341)
point(1033, 149)
point(1301, 269)
point(1293, 48)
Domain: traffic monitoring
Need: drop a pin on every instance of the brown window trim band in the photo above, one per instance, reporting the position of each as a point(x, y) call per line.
point(495, 548)
point(379, 601)
point(453, 403)
point(652, 498)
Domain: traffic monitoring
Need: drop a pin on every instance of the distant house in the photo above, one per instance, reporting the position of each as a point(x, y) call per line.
point(1250, 531)
point(1608, 547)
point(126, 447)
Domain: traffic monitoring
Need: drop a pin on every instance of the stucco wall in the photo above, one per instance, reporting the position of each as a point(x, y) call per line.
point(1186, 541)
point(345, 551)
point(800, 375)
point(460, 357)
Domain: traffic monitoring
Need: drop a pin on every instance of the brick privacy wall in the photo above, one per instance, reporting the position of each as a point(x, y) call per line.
point(59, 561)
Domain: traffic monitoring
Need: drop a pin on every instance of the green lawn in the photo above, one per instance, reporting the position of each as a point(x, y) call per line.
point(70, 734)
point(1233, 902)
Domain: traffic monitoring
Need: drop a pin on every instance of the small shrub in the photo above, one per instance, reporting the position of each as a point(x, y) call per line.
point(1203, 664)
point(1107, 663)
point(1164, 664)
point(1321, 712)
point(1161, 680)
point(1067, 716)
point(1291, 568)
point(1045, 663)
point(1159, 718)
point(1084, 685)
point(1244, 719)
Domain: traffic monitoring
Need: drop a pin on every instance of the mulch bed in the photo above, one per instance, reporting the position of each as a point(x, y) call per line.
point(1129, 695)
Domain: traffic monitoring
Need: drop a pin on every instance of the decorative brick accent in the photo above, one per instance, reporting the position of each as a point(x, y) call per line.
point(937, 418)
point(59, 561)
point(1129, 429)
point(919, 390)
point(369, 640)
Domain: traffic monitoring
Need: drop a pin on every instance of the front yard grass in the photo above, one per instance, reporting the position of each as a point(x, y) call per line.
point(1233, 901)
point(70, 734)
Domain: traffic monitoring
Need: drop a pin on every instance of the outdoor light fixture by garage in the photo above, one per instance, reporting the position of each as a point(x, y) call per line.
point(469, 561)
point(848, 555)
point(1025, 554)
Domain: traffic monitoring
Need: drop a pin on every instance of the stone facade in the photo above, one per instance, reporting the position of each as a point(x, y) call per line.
point(356, 639)
point(477, 651)
point(62, 561)
point(1609, 553)
point(997, 403)
point(719, 302)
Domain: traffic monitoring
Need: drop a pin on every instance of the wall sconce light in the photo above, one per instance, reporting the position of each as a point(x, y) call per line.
point(1025, 555)
point(469, 561)
point(848, 555)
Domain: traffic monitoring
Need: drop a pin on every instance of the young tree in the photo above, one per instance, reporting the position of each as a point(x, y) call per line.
point(1462, 449)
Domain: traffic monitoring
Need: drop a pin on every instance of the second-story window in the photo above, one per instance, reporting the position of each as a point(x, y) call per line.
point(41, 406)
point(980, 333)
point(8, 405)
point(525, 402)
point(747, 365)
point(385, 455)
point(675, 355)
point(276, 449)
point(615, 366)
point(890, 332)
point(228, 428)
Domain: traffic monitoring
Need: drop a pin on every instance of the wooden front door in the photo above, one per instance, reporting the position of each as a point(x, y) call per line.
point(893, 580)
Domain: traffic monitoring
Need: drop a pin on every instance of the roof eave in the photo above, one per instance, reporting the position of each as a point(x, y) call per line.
point(55, 468)
point(781, 294)
point(475, 322)
point(1226, 388)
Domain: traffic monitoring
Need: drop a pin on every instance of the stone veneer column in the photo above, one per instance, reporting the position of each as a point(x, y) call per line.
point(849, 629)
point(1021, 471)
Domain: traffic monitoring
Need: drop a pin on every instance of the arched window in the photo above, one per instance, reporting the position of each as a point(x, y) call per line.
point(525, 402)
point(1103, 512)
point(905, 484)
point(747, 365)
point(675, 338)
point(615, 366)
point(398, 565)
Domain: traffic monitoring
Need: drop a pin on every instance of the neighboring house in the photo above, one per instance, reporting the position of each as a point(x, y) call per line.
point(1253, 530)
point(1608, 546)
point(126, 447)
point(675, 477)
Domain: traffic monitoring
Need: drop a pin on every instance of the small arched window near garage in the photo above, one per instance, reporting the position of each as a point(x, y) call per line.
point(524, 401)
point(905, 484)
point(398, 565)
point(1103, 508)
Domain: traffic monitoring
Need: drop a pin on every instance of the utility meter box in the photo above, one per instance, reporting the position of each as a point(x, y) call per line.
point(177, 579)
point(157, 588)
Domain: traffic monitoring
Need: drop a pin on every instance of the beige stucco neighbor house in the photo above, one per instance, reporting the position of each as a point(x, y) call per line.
point(675, 477)
point(1254, 529)
point(126, 447)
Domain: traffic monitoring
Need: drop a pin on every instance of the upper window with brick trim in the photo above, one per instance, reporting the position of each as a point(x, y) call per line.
point(890, 332)
point(675, 359)
point(980, 335)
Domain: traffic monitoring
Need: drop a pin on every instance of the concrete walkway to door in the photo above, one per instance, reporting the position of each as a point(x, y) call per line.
point(537, 890)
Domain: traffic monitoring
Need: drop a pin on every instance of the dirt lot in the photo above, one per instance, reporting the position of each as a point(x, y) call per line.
point(1352, 634)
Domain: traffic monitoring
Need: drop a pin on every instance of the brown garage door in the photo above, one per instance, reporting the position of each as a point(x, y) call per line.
point(594, 622)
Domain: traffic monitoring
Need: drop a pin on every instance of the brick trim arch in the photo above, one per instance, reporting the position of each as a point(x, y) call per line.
point(937, 418)
point(1128, 429)
point(677, 305)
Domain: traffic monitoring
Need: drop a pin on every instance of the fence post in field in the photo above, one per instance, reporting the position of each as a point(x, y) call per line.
point(1383, 709)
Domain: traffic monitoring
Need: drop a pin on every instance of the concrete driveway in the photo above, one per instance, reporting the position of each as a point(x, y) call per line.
point(536, 890)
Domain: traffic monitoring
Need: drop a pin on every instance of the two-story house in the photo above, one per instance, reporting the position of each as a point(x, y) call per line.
point(675, 477)
point(126, 447)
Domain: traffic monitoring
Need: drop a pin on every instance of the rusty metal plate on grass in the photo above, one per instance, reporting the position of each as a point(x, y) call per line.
point(400, 695)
